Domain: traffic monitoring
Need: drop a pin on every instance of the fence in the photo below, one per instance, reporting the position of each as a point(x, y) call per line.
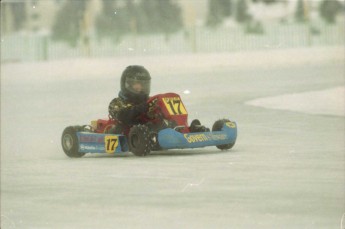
point(33, 47)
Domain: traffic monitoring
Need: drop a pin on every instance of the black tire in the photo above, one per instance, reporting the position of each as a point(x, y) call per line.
point(193, 126)
point(196, 126)
point(70, 143)
point(217, 126)
point(139, 140)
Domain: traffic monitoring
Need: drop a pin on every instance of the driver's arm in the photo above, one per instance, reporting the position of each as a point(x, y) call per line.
point(126, 113)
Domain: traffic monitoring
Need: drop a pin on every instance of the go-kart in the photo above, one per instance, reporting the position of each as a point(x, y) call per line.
point(163, 127)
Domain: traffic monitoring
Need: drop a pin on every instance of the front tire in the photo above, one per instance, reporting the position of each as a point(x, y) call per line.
point(217, 126)
point(139, 140)
point(70, 143)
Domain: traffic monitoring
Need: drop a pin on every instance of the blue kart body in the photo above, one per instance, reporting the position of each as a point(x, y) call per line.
point(167, 139)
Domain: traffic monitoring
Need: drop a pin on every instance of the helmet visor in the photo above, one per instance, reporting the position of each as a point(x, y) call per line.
point(136, 86)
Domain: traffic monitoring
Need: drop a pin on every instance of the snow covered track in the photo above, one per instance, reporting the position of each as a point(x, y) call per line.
point(285, 171)
point(324, 102)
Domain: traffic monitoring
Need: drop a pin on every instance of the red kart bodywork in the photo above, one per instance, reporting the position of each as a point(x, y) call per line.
point(168, 107)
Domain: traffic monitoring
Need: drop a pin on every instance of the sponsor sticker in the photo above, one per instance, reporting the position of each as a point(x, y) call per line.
point(203, 137)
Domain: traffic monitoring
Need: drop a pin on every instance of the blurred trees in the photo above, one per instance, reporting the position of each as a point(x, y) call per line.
point(19, 15)
point(266, 1)
point(300, 11)
point(159, 16)
point(68, 23)
point(217, 11)
point(111, 23)
point(329, 9)
point(145, 17)
point(118, 18)
point(242, 12)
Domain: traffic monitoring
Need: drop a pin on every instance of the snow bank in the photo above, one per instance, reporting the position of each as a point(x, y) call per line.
point(70, 69)
point(325, 102)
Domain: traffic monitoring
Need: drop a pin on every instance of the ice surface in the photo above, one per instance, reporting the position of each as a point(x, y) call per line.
point(326, 102)
point(285, 171)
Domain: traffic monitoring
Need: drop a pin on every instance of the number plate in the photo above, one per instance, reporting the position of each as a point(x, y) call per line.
point(174, 106)
point(111, 142)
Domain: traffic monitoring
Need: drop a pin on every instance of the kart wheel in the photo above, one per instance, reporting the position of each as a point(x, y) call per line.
point(194, 125)
point(139, 140)
point(69, 141)
point(217, 126)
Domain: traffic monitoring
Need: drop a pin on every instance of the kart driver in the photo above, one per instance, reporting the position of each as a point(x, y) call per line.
point(131, 103)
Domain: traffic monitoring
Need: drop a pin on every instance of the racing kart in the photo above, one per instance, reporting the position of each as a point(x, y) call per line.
point(164, 126)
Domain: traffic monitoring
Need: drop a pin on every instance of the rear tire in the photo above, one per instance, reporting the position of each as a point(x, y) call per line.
point(193, 125)
point(139, 140)
point(70, 143)
point(217, 126)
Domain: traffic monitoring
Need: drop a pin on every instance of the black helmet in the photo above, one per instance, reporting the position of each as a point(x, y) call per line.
point(135, 83)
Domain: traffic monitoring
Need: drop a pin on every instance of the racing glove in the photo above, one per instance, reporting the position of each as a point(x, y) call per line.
point(141, 108)
point(129, 115)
